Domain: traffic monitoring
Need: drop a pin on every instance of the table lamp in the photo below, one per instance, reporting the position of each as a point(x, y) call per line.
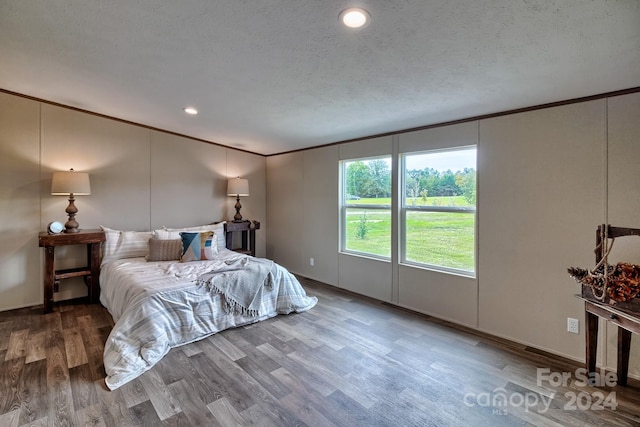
point(70, 183)
point(238, 187)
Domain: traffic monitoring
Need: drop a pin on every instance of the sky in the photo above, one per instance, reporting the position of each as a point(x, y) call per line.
point(440, 160)
point(455, 160)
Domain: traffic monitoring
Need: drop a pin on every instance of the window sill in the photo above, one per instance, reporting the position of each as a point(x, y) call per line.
point(453, 272)
point(365, 256)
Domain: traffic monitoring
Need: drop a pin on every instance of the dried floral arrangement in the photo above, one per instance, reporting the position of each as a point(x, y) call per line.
point(614, 284)
point(621, 283)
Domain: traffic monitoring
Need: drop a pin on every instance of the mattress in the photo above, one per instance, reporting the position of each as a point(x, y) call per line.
point(157, 306)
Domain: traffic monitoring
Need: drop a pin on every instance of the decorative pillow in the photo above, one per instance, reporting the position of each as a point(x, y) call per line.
point(166, 235)
point(198, 246)
point(124, 244)
point(164, 250)
point(217, 228)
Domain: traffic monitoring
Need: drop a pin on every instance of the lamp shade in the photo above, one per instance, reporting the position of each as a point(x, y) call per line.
point(70, 182)
point(238, 187)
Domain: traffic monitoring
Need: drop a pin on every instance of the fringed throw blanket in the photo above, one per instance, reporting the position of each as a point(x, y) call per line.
point(241, 283)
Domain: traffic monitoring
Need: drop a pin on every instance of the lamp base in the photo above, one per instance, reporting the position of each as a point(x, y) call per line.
point(71, 226)
point(237, 217)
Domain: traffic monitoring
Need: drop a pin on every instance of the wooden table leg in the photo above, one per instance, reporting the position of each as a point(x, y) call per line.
point(245, 240)
point(229, 241)
point(624, 344)
point(591, 340)
point(48, 278)
point(93, 253)
point(252, 241)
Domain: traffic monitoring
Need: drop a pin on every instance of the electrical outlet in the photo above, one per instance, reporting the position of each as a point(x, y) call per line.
point(573, 325)
point(311, 262)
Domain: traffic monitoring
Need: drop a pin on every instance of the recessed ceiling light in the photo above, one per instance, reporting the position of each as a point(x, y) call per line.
point(355, 17)
point(191, 110)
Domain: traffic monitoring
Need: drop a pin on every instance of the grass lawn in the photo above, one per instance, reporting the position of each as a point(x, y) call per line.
point(414, 201)
point(437, 238)
point(441, 238)
point(378, 237)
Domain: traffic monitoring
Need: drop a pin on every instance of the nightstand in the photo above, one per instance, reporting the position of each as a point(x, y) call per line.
point(91, 273)
point(627, 323)
point(248, 230)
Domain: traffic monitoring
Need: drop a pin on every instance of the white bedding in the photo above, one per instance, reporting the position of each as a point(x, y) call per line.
point(160, 305)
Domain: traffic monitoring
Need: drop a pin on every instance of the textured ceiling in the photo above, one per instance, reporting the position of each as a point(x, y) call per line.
point(270, 76)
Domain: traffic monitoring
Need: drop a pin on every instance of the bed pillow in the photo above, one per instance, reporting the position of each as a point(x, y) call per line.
point(164, 249)
point(166, 235)
point(217, 228)
point(197, 246)
point(121, 244)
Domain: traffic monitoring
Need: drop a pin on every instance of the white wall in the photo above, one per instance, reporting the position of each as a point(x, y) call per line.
point(286, 219)
point(140, 179)
point(19, 202)
point(542, 191)
point(320, 213)
point(623, 186)
point(540, 198)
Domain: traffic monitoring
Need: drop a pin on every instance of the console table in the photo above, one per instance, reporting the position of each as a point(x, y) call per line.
point(248, 230)
point(627, 324)
point(91, 273)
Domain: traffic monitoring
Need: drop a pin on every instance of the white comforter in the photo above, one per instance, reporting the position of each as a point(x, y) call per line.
point(160, 305)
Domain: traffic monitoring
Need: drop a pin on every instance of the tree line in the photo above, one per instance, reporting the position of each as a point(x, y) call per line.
point(372, 179)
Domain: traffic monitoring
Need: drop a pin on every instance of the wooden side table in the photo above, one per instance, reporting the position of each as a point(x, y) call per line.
point(91, 273)
point(248, 230)
point(627, 324)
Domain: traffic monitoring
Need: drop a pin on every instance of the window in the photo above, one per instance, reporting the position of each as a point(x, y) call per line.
point(366, 206)
point(438, 209)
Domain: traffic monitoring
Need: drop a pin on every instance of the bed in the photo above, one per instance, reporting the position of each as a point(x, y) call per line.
point(161, 304)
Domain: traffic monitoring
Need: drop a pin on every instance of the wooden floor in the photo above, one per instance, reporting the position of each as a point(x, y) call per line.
point(350, 361)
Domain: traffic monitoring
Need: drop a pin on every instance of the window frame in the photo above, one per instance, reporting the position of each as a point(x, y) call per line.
point(344, 206)
point(404, 208)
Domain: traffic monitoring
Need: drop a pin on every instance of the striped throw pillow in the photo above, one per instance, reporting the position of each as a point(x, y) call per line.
point(124, 244)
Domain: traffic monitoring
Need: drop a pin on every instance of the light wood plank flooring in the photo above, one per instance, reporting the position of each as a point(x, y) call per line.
point(350, 361)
